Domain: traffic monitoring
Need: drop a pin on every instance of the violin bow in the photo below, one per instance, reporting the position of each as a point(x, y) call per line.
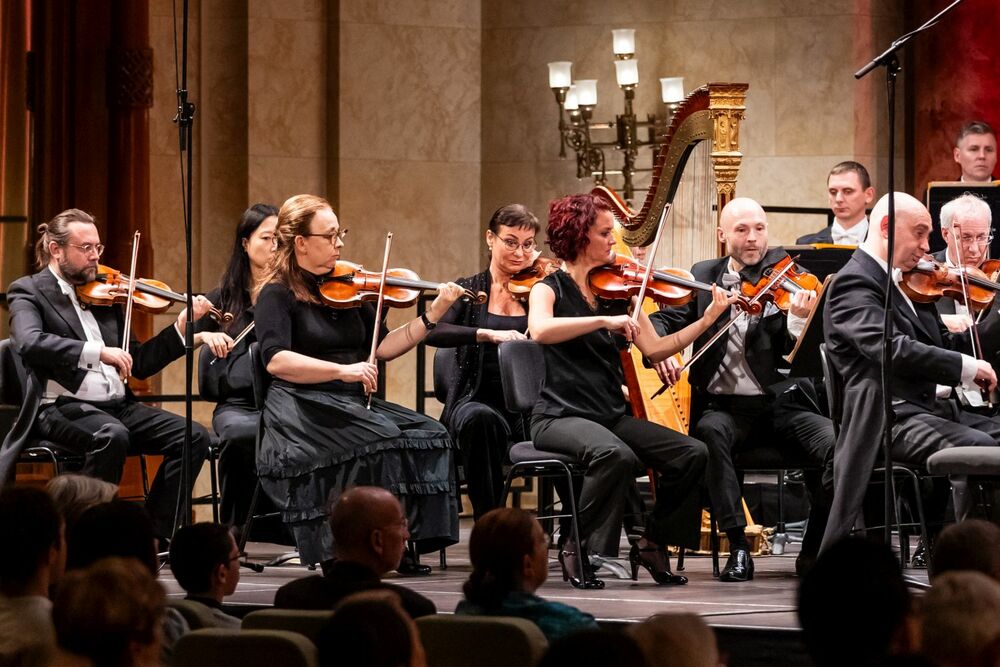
point(131, 292)
point(236, 341)
point(378, 306)
point(718, 334)
point(637, 308)
point(973, 328)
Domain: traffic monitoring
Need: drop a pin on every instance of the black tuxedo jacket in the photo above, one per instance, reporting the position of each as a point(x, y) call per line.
point(824, 235)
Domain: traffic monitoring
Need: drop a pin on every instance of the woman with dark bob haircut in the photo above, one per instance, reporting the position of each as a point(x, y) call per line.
point(475, 412)
point(509, 554)
point(582, 411)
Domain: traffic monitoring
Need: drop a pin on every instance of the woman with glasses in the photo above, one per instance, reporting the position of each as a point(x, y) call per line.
point(235, 417)
point(475, 412)
point(320, 435)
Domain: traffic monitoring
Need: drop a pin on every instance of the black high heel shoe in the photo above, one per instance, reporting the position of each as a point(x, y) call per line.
point(663, 577)
point(568, 562)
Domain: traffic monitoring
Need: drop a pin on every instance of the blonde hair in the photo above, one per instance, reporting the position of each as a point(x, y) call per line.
point(294, 219)
point(57, 229)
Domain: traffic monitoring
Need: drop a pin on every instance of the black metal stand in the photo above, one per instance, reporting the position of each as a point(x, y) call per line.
point(890, 62)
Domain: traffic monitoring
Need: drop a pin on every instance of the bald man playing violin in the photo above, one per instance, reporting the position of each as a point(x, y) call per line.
point(739, 398)
point(928, 362)
point(75, 356)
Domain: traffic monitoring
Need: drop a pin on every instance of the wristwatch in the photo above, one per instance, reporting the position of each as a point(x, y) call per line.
point(427, 323)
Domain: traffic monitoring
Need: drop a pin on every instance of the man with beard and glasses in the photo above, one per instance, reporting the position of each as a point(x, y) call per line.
point(76, 353)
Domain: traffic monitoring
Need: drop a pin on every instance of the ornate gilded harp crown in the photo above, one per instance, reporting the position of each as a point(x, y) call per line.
point(712, 114)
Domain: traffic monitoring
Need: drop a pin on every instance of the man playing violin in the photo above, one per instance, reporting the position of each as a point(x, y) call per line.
point(739, 399)
point(966, 229)
point(76, 353)
point(928, 362)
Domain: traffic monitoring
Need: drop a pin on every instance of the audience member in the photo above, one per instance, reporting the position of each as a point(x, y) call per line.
point(676, 640)
point(370, 534)
point(31, 560)
point(961, 618)
point(509, 554)
point(854, 607)
point(972, 544)
point(595, 647)
point(74, 494)
point(371, 628)
point(109, 614)
point(206, 563)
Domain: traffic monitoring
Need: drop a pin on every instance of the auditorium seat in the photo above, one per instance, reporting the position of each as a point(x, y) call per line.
point(484, 641)
point(246, 648)
point(305, 622)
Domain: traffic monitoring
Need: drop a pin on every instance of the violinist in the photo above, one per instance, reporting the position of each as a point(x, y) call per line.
point(319, 436)
point(475, 412)
point(739, 399)
point(582, 411)
point(928, 361)
point(966, 229)
point(76, 352)
point(235, 417)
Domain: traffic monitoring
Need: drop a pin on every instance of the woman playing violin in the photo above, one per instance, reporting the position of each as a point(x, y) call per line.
point(475, 412)
point(583, 412)
point(319, 437)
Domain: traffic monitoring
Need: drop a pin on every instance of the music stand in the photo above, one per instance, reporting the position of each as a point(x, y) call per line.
point(821, 259)
point(804, 357)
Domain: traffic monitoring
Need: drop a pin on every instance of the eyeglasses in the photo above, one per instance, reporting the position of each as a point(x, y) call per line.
point(88, 248)
point(978, 239)
point(329, 237)
point(512, 244)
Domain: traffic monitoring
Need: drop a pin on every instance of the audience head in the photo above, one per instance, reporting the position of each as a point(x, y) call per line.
point(110, 613)
point(117, 528)
point(510, 238)
point(581, 229)
point(369, 527)
point(961, 618)
point(34, 552)
point(853, 604)
point(913, 229)
point(253, 248)
point(743, 229)
point(850, 190)
point(508, 550)
point(370, 628)
point(669, 640)
point(205, 560)
point(74, 494)
point(976, 151)
point(972, 544)
point(595, 647)
point(968, 218)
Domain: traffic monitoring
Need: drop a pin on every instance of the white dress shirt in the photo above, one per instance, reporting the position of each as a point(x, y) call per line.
point(853, 236)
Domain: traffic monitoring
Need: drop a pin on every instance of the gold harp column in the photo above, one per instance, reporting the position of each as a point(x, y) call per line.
point(727, 105)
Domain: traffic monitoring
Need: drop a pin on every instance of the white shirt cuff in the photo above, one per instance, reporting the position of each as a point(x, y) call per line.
point(90, 358)
point(796, 325)
point(970, 365)
point(180, 334)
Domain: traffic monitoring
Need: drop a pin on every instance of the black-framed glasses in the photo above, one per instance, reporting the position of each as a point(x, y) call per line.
point(88, 248)
point(329, 237)
point(512, 244)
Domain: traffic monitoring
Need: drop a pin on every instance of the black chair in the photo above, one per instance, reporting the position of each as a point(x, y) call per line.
point(522, 373)
point(835, 395)
point(261, 381)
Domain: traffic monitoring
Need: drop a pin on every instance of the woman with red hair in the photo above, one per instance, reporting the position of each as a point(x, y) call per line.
point(582, 411)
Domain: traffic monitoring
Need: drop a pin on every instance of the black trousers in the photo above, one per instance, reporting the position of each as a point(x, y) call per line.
point(729, 424)
point(614, 454)
point(106, 433)
point(236, 426)
point(484, 434)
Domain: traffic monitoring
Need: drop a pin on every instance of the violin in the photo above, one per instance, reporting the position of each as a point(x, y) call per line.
point(151, 296)
point(928, 281)
point(780, 292)
point(520, 283)
point(667, 286)
point(349, 284)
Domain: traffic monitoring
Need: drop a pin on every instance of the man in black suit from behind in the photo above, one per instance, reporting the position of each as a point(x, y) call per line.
point(75, 351)
point(369, 537)
point(928, 363)
point(739, 399)
point(851, 193)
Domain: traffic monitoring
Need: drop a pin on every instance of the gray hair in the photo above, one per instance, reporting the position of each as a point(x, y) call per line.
point(968, 205)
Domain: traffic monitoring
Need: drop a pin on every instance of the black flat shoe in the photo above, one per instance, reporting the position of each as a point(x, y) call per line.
point(409, 567)
point(571, 570)
point(739, 567)
point(920, 555)
point(657, 563)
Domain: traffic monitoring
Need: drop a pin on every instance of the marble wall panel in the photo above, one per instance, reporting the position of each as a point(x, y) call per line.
point(437, 13)
point(275, 179)
point(303, 10)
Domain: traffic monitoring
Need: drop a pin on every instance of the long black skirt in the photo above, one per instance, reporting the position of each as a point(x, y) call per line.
point(317, 444)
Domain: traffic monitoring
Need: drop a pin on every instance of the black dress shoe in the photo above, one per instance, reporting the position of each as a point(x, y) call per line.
point(803, 563)
point(920, 555)
point(409, 567)
point(739, 566)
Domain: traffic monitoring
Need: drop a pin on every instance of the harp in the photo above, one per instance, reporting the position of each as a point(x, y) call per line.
point(695, 171)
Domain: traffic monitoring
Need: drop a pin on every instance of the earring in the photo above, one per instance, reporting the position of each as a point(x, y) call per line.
point(489, 247)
